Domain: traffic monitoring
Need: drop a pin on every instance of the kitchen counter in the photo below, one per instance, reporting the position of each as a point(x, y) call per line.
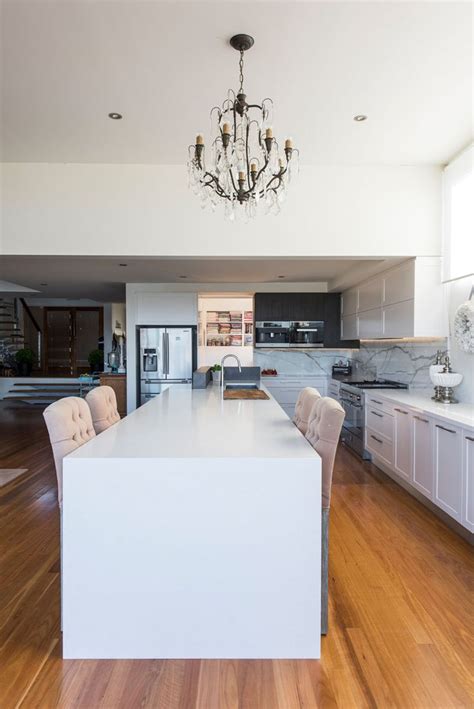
point(192, 529)
point(462, 414)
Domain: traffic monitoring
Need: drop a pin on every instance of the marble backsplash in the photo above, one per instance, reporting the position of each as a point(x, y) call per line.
point(403, 361)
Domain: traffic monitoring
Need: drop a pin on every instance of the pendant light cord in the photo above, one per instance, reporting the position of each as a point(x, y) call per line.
point(241, 71)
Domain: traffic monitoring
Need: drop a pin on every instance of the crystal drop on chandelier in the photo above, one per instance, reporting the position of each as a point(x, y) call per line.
point(246, 170)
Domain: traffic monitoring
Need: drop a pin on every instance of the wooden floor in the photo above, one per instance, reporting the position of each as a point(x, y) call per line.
point(401, 610)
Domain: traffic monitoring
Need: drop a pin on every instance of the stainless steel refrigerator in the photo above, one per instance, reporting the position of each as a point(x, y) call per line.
point(167, 355)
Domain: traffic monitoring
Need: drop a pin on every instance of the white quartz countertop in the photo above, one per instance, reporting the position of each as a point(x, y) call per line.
point(196, 423)
point(461, 414)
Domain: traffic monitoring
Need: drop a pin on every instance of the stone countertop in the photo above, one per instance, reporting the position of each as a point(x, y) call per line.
point(460, 414)
point(196, 423)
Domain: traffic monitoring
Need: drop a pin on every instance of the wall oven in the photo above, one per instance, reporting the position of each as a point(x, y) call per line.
point(307, 334)
point(272, 334)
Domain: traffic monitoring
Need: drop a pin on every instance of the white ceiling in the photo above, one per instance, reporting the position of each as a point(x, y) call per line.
point(103, 279)
point(68, 63)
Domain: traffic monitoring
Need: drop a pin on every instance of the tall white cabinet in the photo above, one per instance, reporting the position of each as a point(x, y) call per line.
point(404, 301)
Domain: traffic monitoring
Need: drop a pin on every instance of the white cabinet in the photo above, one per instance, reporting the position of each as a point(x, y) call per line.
point(402, 442)
point(422, 453)
point(404, 301)
point(350, 327)
point(285, 390)
point(333, 389)
point(371, 324)
point(448, 473)
point(399, 283)
point(370, 294)
point(350, 302)
point(398, 319)
point(166, 308)
point(468, 483)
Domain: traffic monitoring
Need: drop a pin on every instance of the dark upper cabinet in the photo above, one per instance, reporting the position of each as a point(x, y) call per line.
point(285, 307)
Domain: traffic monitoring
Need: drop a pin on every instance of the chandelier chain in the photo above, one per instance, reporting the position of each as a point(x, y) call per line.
point(241, 71)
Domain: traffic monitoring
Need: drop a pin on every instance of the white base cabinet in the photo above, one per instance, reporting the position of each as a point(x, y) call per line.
point(432, 454)
point(448, 472)
point(422, 454)
point(467, 519)
point(286, 389)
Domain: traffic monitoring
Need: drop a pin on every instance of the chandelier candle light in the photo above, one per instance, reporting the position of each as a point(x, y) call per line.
point(245, 168)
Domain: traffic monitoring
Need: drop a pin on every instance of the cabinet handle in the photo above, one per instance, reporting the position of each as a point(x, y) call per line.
point(418, 418)
point(468, 438)
point(376, 439)
point(449, 430)
point(401, 411)
point(375, 413)
point(374, 401)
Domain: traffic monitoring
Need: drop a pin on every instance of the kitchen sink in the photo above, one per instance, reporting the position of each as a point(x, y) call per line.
point(241, 385)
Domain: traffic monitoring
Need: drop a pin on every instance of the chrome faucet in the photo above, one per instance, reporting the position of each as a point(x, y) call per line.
point(223, 370)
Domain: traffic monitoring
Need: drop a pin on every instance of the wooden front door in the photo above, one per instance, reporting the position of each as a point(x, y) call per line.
point(70, 335)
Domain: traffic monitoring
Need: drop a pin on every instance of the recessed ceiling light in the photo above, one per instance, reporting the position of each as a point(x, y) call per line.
point(115, 116)
point(360, 117)
point(123, 264)
point(281, 276)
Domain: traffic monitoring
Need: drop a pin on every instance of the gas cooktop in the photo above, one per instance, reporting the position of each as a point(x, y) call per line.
point(376, 384)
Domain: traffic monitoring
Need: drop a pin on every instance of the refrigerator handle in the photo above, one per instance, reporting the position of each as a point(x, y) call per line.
point(166, 352)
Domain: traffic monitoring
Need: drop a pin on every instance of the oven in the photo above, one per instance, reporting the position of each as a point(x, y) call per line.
point(307, 333)
point(272, 334)
point(352, 434)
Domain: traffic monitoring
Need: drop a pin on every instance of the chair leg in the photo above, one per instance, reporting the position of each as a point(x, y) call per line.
point(324, 570)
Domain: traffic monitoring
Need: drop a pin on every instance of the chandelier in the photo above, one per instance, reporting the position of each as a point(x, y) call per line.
point(244, 168)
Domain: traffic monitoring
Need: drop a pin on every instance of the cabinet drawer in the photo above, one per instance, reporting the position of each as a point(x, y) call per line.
point(379, 446)
point(382, 405)
point(380, 422)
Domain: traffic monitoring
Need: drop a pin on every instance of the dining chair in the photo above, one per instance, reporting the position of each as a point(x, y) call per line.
point(103, 405)
point(304, 405)
point(69, 425)
point(323, 433)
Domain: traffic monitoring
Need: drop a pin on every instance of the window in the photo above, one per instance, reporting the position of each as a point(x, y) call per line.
point(458, 217)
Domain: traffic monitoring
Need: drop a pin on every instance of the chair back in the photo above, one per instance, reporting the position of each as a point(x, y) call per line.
point(323, 433)
point(304, 405)
point(103, 405)
point(69, 426)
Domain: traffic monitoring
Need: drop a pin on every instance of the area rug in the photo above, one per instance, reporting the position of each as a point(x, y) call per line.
point(9, 474)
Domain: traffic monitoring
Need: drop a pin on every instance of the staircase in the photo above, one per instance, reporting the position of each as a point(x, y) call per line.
point(12, 338)
point(41, 392)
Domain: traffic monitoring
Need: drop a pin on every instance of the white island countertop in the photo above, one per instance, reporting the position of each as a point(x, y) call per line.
point(461, 414)
point(196, 423)
point(192, 529)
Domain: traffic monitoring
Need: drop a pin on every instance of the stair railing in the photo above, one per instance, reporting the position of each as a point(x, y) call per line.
point(27, 310)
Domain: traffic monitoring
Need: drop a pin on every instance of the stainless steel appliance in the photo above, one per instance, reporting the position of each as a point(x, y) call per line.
point(307, 334)
point(351, 396)
point(167, 355)
point(272, 334)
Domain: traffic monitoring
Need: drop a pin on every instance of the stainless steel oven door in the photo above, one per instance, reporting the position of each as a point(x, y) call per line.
point(354, 420)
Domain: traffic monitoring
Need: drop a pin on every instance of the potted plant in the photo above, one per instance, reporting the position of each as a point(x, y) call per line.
point(96, 361)
point(216, 372)
point(24, 359)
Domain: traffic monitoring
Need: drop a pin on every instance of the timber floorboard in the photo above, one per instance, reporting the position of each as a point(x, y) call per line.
point(400, 608)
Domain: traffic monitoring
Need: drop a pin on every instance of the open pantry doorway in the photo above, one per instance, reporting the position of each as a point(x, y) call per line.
point(226, 326)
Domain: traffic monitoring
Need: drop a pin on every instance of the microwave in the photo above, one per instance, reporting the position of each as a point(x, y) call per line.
point(272, 334)
point(307, 334)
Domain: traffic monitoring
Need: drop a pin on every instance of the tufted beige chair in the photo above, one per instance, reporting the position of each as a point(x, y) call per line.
point(323, 433)
point(304, 405)
point(69, 426)
point(103, 405)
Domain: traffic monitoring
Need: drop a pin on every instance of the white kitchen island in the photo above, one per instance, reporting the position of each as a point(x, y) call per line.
point(192, 529)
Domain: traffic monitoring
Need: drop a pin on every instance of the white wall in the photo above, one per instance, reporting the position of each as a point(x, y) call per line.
point(147, 304)
point(457, 293)
point(148, 210)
